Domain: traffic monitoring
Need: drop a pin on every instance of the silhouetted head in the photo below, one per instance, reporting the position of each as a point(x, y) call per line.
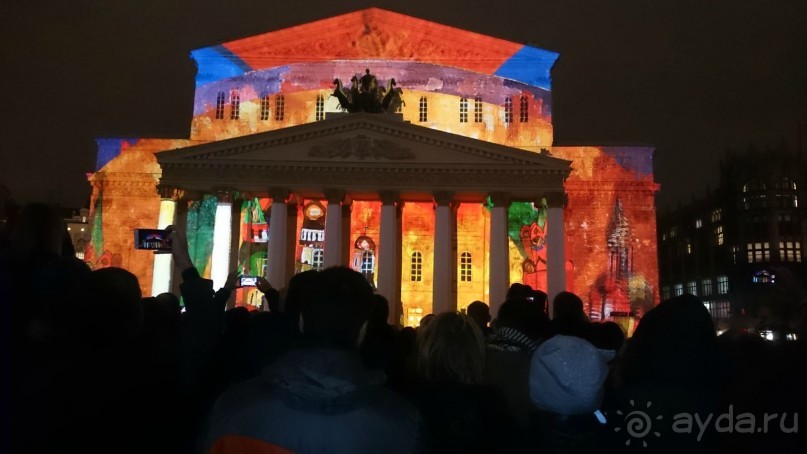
point(606, 335)
point(111, 305)
point(519, 291)
point(480, 313)
point(568, 306)
point(451, 349)
point(295, 292)
point(335, 306)
point(39, 231)
point(525, 316)
point(379, 310)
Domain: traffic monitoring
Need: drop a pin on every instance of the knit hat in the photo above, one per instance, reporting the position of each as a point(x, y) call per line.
point(567, 375)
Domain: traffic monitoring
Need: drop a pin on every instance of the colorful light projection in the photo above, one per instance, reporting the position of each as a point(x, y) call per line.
point(278, 78)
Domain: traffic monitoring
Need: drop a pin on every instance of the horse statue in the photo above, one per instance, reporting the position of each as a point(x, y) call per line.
point(365, 95)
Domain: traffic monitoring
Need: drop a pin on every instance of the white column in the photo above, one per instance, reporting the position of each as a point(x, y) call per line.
point(333, 228)
point(443, 299)
point(163, 264)
point(222, 239)
point(499, 268)
point(389, 253)
point(278, 241)
point(555, 247)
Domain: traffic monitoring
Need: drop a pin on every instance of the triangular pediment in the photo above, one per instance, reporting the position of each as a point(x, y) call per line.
point(359, 150)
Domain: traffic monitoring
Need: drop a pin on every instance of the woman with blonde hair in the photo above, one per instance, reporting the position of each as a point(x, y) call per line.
point(459, 412)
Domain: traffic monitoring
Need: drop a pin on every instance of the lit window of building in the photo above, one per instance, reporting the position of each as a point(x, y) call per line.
point(717, 215)
point(722, 285)
point(508, 110)
point(320, 108)
point(423, 110)
point(367, 262)
point(465, 267)
point(679, 289)
point(524, 110)
point(664, 236)
point(790, 251)
point(692, 288)
point(665, 293)
point(706, 287)
point(220, 101)
point(477, 110)
point(280, 108)
point(759, 252)
point(734, 253)
point(718, 309)
point(235, 106)
point(718, 235)
point(416, 268)
point(264, 107)
point(317, 259)
point(698, 223)
point(673, 232)
point(689, 247)
point(463, 110)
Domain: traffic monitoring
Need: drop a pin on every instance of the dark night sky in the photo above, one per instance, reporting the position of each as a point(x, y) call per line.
point(691, 77)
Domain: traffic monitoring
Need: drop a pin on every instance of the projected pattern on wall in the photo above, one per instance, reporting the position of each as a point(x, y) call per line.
point(452, 80)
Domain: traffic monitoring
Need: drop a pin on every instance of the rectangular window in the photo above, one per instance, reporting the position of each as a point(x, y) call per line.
point(524, 110)
point(717, 215)
point(679, 289)
point(280, 108)
point(759, 252)
point(722, 285)
point(465, 267)
point(235, 106)
point(689, 247)
point(508, 110)
point(718, 309)
point(463, 110)
point(477, 110)
point(673, 232)
point(790, 251)
point(220, 100)
point(665, 293)
point(734, 251)
point(320, 108)
point(706, 287)
point(692, 288)
point(718, 230)
point(698, 223)
point(423, 114)
point(264, 107)
point(416, 268)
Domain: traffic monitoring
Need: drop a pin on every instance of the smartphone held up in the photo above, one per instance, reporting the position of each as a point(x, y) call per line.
point(152, 240)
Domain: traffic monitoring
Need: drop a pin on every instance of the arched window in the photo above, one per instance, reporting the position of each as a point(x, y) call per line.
point(424, 110)
point(235, 105)
point(477, 110)
point(264, 107)
point(320, 110)
point(463, 110)
point(317, 258)
point(280, 107)
point(367, 262)
point(465, 267)
point(524, 110)
point(416, 269)
point(508, 110)
point(220, 100)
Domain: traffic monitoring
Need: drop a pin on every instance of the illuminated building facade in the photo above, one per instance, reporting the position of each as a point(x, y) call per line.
point(740, 247)
point(450, 194)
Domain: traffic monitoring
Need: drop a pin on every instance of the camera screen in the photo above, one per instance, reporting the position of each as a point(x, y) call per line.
point(249, 281)
point(152, 239)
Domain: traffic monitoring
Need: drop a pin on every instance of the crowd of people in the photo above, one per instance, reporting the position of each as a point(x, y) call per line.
point(97, 367)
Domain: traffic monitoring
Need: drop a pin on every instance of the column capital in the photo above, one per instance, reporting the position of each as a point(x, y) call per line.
point(279, 195)
point(223, 195)
point(500, 199)
point(170, 192)
point(443, 198)
point(334, 195)
point(389, 197)
point(557, 199)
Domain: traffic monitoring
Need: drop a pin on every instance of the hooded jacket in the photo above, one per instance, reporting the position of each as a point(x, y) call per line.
point(313, 401)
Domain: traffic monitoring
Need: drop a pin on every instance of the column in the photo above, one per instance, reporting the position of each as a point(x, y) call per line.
point(181, 223)
point(556, 246)
point(161, 275)
point(333, 228)
point(222, 238)
point(389, 254)
point(277, 244)
point(499, 268)
point(294, 208)
point(445, 264)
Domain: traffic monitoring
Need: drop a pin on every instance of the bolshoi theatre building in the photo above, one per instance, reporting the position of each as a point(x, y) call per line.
point(418, 154)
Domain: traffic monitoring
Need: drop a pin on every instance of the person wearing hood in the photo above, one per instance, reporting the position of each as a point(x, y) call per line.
point(319, 397)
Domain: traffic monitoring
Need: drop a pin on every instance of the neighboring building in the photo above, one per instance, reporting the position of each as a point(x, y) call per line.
point(443, 193)
point(740, 248)
point(80, 230)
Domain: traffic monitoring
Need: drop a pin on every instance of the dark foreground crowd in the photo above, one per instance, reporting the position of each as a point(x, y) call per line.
point(89, 365)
